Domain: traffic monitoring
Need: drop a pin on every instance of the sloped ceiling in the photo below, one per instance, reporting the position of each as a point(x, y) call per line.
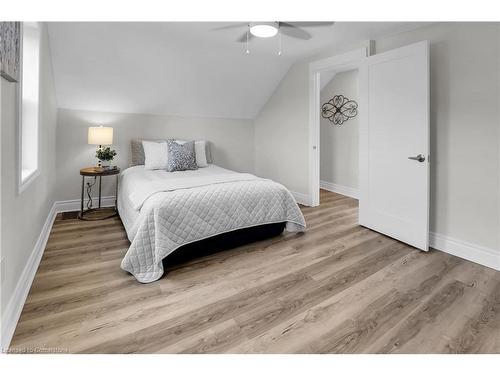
point(181, 68)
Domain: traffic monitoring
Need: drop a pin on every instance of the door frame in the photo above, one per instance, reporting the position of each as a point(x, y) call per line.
point(339, 63)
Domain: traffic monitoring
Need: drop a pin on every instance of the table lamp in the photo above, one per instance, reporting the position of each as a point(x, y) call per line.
point(99, 136)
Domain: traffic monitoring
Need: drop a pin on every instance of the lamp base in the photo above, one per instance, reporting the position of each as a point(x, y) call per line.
point(99, 162)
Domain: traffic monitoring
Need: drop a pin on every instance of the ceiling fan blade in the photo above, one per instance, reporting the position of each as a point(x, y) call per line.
point(243, 37)
point(232, 26)
point(307, 24)
point(294, 32)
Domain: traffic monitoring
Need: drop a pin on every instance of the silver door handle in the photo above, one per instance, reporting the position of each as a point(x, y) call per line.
point(420, 158)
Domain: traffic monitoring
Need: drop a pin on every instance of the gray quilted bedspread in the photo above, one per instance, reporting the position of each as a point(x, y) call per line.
point(175, 218)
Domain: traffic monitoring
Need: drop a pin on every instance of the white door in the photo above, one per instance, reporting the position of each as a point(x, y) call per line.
point(394, 144)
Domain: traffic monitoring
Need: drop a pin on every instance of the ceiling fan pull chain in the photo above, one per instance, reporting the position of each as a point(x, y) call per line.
point(279, 36)
point(248, 51)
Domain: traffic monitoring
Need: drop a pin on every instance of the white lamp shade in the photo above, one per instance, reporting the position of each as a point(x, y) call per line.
point(100, 135)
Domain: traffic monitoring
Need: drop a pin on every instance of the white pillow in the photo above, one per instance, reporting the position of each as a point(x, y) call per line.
point(156, 155)
point(200, 152)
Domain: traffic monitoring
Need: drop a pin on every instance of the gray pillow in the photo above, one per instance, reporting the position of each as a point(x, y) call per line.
point(137, 151)
point(181, 157)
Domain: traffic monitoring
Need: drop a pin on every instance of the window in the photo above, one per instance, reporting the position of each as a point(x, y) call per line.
point(28, 103)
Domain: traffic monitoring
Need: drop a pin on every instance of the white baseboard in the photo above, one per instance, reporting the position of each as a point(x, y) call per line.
point(466, 250)
point(340, 189)
point(74, 204)
point(16, 303)
point(301, 198)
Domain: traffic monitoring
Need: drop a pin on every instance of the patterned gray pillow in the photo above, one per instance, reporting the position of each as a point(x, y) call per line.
point(181, 157)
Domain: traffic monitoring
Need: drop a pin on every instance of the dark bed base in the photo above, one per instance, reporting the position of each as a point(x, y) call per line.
point(222, 242)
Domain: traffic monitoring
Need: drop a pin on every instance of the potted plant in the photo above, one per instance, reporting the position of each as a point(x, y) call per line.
point(105, 156)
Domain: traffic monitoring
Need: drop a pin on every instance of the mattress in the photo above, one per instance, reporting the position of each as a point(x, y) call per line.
point(162, 211)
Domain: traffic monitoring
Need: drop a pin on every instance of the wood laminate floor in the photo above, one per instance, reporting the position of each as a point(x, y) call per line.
point(339, 288)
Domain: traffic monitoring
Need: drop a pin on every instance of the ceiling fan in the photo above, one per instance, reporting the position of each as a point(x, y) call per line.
point(271, 29)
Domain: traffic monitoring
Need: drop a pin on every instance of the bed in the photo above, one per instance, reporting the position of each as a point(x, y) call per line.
point(166, 211)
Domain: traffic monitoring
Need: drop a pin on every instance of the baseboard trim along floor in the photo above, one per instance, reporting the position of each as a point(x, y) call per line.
point(74, 204)
point(339, 189)
point(465, 250)
point(301, 198)
point(16, 303)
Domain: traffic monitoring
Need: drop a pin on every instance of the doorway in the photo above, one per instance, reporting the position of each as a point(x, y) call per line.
point(331, 66)
point(339, 132)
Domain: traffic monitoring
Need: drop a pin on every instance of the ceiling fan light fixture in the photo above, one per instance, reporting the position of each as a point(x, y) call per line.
point(264, 29)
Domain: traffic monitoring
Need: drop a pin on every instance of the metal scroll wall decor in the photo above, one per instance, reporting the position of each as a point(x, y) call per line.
point(339, 109)
point(10, 34)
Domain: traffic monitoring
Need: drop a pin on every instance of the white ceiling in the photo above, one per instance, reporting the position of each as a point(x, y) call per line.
point(182, 68)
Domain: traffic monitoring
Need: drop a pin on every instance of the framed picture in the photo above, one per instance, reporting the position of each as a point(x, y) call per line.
point(10, 34)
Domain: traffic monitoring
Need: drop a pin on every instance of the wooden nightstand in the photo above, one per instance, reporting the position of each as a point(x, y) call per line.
point(97, 172)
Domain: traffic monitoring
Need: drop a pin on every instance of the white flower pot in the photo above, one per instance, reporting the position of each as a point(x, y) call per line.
point(105, 163)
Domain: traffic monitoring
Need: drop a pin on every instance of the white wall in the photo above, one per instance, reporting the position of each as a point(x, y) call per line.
point(464, 128)
point(23, 215)
point(282, 127)
point(339, 145)
point(281, 132)
point(231, 139)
